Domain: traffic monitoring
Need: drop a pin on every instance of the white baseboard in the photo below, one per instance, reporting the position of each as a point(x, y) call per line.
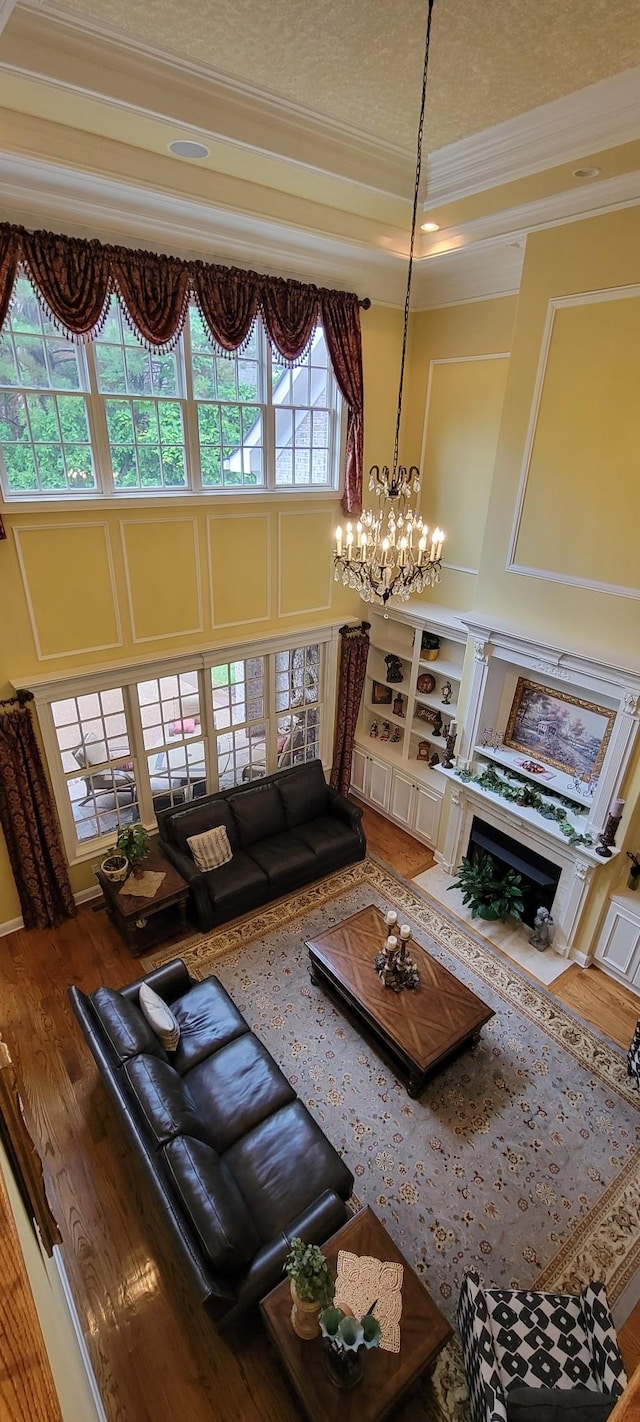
point(100, 1414)
point(12, 925)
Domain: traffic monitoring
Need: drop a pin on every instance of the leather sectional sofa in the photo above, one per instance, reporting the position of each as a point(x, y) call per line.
point(233, 1159)
point(284, 831)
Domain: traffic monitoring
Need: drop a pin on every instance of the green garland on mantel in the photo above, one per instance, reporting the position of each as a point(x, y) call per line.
point(528, 796)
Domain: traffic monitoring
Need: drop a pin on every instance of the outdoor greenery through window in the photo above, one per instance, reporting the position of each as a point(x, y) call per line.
point(114, 417)
point(122, 753)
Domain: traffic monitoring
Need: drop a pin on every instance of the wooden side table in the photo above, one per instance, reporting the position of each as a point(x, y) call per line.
point(387, 1377)
point(141, 922)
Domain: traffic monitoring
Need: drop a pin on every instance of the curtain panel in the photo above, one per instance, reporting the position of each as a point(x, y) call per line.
point(76, 278)
point(353, 665)
point(28, 820)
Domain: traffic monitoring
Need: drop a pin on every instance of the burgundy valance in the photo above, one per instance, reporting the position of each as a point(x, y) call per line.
point(76, 278)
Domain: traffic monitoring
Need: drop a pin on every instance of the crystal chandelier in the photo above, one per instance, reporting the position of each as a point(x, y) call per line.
point(389, 553)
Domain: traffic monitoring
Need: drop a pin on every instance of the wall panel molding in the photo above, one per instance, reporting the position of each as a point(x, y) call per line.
point(54, 528)
point(163, 523)
point(321, 607)
point(244, 518)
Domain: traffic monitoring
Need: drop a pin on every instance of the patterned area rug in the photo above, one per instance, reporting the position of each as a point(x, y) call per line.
point(522, 1157)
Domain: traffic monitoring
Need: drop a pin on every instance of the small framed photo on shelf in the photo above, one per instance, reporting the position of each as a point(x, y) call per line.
point(426, 713)
point(561, 730)
point(381, 695)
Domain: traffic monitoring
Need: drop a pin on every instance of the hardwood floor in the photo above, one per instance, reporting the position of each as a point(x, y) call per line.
point(606, 1004)
point(153, 1353)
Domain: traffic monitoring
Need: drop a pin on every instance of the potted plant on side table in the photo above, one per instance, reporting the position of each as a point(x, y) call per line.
point(311, 1286)
point(346, 1339)
point(490, 894)
point(133, 842)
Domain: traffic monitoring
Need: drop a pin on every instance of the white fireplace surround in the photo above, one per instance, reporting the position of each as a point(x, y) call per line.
point(499, 658)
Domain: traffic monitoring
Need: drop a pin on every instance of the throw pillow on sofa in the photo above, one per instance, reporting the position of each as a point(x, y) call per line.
point(211, 849)
point(160, 1017)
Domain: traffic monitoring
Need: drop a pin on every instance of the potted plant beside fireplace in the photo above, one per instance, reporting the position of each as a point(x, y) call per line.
point(490, 893)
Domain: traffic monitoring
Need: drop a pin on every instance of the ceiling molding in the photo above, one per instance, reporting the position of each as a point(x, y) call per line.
point(6, 9)
point(469, 274)
point(89, 58)
point(593, 119)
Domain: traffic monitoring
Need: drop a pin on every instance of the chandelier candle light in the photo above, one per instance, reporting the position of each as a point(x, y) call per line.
point(390, 553)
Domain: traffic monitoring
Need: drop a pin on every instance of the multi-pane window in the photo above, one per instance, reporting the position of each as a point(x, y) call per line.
point(45, 439)
point(115, 417)
point(99, 771)
point(172, 734)
point(122, 754)
point(238, 694)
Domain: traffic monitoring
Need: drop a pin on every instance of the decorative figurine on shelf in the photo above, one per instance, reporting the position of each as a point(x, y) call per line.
point(424, 750)
point(542, 930)
point(491, 738)
point(447, 692)
point(395, 736)
point(386, 731)
point(435, 760)
point(634, 872)
point(373, 730)
point(451, 745)
point(398, 705)
point(394, 667)
point(437, 724)
point(426, 713)
point(429, 646)
point(607, 836)
point(426, 683)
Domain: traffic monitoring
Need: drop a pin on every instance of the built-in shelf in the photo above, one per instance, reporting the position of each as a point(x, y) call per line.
point(382, 713)
point(382, 750)
point(553, 782)
point(441, 668)
point(430, 699)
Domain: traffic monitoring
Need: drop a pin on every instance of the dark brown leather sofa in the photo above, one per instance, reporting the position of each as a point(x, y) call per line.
point(284, 831)
point(235, 1162)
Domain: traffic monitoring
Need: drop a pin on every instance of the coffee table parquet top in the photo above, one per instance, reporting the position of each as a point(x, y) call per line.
point(426, 1024)
point(387, 1376)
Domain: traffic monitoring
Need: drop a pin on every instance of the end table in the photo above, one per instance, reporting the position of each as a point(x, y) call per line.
point(142, 923)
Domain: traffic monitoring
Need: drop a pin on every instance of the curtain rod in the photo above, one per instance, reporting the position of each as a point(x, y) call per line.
point(20, 699)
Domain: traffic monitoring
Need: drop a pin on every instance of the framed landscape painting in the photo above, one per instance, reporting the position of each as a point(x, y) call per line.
point(562, 730)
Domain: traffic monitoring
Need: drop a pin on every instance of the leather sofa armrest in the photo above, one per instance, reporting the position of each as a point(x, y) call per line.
point(343, 809)
point(315, 1225)
point(169, 981)
point(182, 862)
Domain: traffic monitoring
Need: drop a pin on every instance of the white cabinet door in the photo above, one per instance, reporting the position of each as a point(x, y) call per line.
point(378, 783)
point(359, 766)
point(401, 802)
point(427, 814)
point(619, 945)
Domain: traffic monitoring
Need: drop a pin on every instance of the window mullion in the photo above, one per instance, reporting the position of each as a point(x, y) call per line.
point(136, 741)
point(98, 425)
point(190, 412)
point(205, 683)
point(269, 412)
point(271, 716)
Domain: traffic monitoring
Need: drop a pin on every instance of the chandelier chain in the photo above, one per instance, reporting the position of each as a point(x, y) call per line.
point(416, 196)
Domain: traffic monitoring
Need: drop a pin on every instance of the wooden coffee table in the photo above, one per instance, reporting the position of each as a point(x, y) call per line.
point(141, 922)
point(420, 1028)
point(387, 1377)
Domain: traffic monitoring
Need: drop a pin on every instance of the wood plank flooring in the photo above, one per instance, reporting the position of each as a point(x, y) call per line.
point(27, 1392)
point(154, 1355)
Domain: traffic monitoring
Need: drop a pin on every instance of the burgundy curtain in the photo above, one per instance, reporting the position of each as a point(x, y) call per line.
point(353, 664)
point(76, 277)
point(28, 819)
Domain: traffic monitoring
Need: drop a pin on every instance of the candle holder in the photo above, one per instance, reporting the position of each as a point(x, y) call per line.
point(393, 965)
point(607, 836)
point(449, 749)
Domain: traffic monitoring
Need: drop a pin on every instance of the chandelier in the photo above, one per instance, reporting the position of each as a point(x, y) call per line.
point(389, 552)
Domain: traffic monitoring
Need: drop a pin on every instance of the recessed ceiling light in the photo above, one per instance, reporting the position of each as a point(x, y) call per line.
point(185, 148)
point(430, 226)
point(586, 172)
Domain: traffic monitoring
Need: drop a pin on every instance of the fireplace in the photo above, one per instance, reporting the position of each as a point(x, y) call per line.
point(540, 877)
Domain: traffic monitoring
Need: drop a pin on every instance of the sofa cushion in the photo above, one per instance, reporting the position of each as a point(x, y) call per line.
point(282, 858)
point(283, 1165)
point(208, 1020)
point(241, 878)
point(164, 1099)
point(211, 849)
point(128, 1031)
point(327, 836)
point(258, 813)
point(551, 1404)
point(200, 817)
point(304, 794)
point(213, 1203)
point(236, 1089)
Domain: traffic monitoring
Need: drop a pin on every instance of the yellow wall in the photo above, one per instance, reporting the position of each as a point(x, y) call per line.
point(81, 588)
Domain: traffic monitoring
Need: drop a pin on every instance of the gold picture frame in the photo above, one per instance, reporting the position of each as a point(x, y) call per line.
point(541, 725)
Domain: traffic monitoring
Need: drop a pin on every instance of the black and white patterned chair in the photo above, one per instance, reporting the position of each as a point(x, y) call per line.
point(535, 1340)
point(633, 1055)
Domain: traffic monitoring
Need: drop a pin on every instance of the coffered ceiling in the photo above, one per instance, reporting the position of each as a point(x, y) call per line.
point(308, 115)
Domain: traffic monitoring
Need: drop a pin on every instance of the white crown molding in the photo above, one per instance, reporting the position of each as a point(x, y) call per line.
point(7, 8)
point(593, 119)
point(88, 57)
point(474, 273)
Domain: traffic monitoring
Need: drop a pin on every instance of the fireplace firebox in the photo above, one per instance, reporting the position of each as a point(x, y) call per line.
point(540, 877)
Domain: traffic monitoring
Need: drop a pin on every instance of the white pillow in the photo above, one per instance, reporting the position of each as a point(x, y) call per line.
point(211, 849)
point(160, 1017)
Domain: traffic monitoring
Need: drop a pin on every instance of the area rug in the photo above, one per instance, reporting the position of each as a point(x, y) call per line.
point(522, 1157)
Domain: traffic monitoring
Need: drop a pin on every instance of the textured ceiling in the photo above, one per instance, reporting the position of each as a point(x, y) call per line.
point(360, 61)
